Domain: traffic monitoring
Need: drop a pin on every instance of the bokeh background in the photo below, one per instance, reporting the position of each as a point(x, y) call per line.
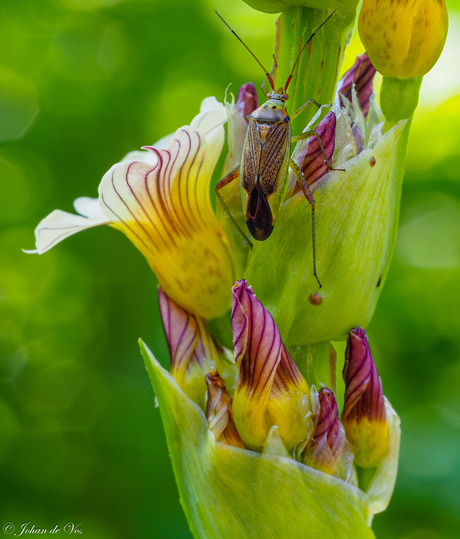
point(82, 82)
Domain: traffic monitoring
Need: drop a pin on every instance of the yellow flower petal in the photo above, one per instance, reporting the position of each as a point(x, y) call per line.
point(165, 210)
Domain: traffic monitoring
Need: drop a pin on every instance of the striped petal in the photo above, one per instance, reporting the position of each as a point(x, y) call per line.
point(363, 415)
point(360, 76)
point(328, 450)
point(192, 348)
point(309, 155)
point(219, 411)
point(270, 389)
point(165, 210)
point(160, 201)
point(59, 225)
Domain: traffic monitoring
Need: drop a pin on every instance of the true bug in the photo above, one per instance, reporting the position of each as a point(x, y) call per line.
point(266, 157)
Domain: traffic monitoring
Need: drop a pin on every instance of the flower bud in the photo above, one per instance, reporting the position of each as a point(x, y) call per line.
point(192, 348)
point(219, 411)
point(247, 100)
point(403, 38)
point(270, 388)
point(359, 77)
point(326, 446)
point(363, 415)
point(309, 155)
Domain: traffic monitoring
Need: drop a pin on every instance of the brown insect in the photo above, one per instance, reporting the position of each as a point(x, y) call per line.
point(266, 158)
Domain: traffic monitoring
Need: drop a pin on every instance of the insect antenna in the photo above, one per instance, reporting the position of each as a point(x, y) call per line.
point(267, 74)
point(301, 50)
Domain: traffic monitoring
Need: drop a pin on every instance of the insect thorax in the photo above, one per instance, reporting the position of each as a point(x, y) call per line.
point(272, 111)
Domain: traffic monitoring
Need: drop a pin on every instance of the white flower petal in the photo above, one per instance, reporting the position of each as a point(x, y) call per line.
point(210, 121)
point(144, 156)
point(89, 207)
point(58, 226)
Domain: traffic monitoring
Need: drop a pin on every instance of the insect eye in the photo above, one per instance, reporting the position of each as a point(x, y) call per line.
point(284, 96)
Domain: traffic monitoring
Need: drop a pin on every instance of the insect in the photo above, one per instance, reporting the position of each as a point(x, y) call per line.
point(266, 158)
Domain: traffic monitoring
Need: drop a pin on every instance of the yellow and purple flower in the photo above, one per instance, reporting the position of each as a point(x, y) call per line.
point(364, 415)
point(160, 200)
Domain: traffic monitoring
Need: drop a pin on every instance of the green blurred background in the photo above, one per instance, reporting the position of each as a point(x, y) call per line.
point(81, 84)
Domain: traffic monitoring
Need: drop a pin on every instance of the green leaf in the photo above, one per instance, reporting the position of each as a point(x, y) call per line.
point(234, 493)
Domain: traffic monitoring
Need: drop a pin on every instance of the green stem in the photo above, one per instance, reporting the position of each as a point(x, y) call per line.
point(316, 364)
point(316, 74)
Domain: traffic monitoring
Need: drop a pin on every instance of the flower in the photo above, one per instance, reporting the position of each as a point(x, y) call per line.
point(192, 348)
point(403, 38)
point(265, 443)
point(363, 415)
point(229, 491)
point(219, 411)
point(270, 389)
point(327, 450)
point(159, 199)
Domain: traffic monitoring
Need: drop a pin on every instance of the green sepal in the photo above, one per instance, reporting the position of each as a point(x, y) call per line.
point(356, 222)
point(234, 493)
point(399, 97)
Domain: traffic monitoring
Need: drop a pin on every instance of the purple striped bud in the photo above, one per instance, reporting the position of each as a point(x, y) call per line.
point(247, 100)
point(361, 77)
point(219, 411)
point(270, 389)
point(363, 415)
point(309, 155)
point(326, 446)
point(191, 345)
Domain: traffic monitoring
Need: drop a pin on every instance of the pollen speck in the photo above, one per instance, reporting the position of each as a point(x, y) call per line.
point(315, 298)
point(372, 161)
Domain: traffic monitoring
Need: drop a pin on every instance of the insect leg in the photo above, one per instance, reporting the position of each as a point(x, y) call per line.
point(232, 175)
point(308, 195)
point(304, 107)
point(307, 134)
